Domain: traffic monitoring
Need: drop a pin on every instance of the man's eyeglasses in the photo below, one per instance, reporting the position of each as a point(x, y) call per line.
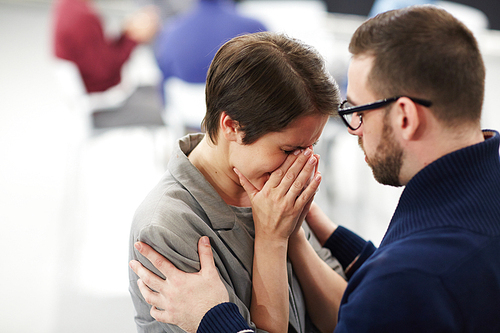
point(351, 114)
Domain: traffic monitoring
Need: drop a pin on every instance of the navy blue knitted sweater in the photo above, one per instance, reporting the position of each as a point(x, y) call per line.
point(438, 266)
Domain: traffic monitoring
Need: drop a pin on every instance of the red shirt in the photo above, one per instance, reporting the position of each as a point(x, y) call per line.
point(79, 37)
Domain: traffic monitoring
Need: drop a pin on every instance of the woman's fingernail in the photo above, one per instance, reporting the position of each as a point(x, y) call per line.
point(138, 246)
point(312, 160)
point(296, 152)
point(307, 152)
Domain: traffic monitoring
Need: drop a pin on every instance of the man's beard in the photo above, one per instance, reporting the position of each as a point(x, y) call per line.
point(388, 159)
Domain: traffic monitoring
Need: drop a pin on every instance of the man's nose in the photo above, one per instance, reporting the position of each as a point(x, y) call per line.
point(357, 132)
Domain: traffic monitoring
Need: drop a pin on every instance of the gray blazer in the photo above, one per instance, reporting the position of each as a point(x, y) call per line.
point(176, 213)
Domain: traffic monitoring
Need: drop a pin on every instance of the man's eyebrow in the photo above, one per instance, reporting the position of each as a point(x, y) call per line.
point(350, 101)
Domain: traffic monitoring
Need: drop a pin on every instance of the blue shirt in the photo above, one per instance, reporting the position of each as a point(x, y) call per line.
point(186, 46)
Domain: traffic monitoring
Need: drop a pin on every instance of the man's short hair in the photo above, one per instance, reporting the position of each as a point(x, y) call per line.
point(423, 51)
point(264, 81)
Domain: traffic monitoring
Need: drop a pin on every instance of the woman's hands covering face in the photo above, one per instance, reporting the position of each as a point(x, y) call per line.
point(281, 205)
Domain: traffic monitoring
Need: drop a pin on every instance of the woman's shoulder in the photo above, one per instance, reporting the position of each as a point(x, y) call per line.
point(167, 202)
point(172, 221)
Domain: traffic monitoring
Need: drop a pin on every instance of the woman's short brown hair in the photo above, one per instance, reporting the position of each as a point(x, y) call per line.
point(264, 81)
point(423, 51)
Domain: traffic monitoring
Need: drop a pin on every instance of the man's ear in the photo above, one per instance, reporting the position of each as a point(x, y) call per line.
point(230, 128)
point(410, 119)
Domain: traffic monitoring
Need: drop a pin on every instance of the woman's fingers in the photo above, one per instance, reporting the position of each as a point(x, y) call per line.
point(287, 174)
point(277, 175)
point(299, 175)
point(306, 196)
point(245, 183)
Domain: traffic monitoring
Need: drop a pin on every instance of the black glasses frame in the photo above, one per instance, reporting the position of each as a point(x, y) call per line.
point(373, 106)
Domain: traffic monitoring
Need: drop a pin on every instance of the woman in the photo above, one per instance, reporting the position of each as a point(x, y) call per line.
point(268, 99)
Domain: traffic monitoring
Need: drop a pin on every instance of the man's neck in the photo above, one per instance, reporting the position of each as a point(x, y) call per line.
point(436, 144)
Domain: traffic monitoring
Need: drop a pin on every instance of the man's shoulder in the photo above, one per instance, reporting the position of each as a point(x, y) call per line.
point(438, 252)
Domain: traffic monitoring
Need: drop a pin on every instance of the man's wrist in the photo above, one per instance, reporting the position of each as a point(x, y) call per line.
point(223, 318)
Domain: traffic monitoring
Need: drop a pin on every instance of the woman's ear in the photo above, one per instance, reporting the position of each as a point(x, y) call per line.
point(409, 119)
point(230, 128)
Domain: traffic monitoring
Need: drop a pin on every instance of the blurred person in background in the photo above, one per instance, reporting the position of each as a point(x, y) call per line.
point(79, 37)
point(186, 45)
point(168, 8)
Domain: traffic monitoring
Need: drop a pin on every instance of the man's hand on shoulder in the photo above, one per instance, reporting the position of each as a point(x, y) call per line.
point(183, 298)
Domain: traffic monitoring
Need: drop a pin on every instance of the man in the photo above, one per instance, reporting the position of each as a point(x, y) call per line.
point(415, 92)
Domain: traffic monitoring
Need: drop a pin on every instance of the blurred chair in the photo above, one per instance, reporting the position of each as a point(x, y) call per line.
point(184, 106)
point(71, 84)
point(73, 89)
point(126, 104)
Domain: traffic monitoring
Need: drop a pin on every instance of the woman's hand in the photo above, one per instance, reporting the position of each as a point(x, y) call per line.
point(183, 298)
point(277, 209)
point(284, 200)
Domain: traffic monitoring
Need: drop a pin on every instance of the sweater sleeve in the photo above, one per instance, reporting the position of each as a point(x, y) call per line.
point(224, 318)
point(347, 247)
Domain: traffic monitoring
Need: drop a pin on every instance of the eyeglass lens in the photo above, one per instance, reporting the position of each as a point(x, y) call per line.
point(352, 119)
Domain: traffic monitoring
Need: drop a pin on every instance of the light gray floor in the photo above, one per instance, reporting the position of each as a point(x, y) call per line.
point(66, 203)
